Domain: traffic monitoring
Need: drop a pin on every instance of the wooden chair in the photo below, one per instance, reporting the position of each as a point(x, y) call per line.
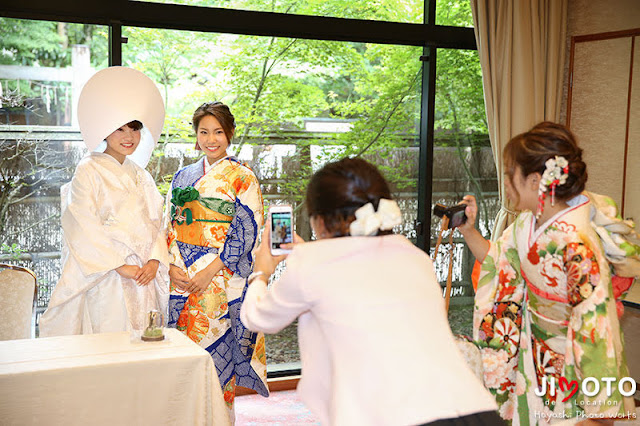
point(18, 291)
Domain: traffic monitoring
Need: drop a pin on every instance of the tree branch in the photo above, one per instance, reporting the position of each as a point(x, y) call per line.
point(388, 118)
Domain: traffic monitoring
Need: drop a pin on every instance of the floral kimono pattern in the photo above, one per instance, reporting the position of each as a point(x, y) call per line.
point(218, 214)
point(546, 324)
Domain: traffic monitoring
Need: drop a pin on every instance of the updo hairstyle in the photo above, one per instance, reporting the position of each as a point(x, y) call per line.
point(340, 188)
point(221, 112)
point(530, 151)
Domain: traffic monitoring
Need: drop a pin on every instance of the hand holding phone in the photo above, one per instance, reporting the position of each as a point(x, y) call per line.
point(281, 228)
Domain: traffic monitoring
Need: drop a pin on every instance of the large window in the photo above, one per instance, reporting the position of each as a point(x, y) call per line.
point(299, 103)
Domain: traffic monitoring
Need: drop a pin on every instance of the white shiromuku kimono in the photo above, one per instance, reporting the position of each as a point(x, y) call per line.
point(111, 216)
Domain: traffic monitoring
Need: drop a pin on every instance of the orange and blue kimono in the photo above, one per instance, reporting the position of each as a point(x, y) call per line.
point(218, 213)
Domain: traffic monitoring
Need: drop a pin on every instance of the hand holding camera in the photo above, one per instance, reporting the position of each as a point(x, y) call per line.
point(475, 240)
point(456, 214)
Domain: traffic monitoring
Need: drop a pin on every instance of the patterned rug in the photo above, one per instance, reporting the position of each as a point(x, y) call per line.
point(280, 409)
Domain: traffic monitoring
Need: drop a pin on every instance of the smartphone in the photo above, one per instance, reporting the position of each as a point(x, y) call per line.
point(456, 214)
point(281, 223)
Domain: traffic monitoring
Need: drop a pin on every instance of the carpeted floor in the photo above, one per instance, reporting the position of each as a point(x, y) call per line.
point(285, 409)
point(280, 409)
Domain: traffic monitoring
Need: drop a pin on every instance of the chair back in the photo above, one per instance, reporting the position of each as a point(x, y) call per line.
point(18, 290)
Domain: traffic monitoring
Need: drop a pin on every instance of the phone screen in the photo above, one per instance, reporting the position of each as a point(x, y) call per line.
point(281, 229)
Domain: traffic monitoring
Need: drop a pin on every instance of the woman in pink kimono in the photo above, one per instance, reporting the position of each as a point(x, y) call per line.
point(545, 312)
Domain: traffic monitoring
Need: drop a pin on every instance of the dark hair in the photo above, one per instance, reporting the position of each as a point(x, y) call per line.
point(221, 112)
point(530, 150)
point(340, 188)
point(135, 125)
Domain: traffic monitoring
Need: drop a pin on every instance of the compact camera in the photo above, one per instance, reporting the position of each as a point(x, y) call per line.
point(455, 214)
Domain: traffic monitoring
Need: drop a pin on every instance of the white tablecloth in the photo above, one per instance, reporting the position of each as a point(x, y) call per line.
point(109, 379)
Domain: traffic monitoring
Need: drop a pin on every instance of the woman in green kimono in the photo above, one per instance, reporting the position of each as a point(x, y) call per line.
point(545, 313)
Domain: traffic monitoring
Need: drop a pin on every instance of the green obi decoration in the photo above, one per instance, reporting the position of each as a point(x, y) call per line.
point(181, 215)
point(217, 205)
point(181, 196)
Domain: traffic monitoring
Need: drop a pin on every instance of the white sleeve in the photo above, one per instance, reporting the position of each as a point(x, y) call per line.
point(160, 248)
point(87, 238)
point(269, 310)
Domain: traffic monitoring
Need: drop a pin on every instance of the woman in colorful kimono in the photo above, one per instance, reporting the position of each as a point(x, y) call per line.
point(115, 249)
point(216, 211)
point(545, 313)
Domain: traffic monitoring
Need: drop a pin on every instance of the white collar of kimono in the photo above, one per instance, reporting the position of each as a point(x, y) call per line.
point(107, 160)
point(115, 96)
point(574, 202)
point(208, 166)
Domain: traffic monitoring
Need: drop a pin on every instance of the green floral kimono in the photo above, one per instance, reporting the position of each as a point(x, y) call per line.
point(546, 324)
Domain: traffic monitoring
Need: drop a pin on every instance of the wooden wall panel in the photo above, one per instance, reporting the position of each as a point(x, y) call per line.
point(598, 110)
point(632, 186)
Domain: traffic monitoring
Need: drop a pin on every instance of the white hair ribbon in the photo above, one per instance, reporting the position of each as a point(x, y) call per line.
point(368, 221)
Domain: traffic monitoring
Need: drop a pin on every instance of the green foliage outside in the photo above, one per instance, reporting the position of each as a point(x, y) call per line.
point(273, 83)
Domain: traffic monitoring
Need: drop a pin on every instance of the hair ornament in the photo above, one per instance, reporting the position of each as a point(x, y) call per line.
point(555, 173)
point(368, 221)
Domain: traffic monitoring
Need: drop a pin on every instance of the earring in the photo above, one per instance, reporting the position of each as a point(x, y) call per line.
point(542, 194)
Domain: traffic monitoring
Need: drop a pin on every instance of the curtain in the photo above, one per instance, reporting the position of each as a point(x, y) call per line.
point(521, 45)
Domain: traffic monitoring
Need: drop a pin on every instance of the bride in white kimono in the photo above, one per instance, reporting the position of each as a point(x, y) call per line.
point(114, 255)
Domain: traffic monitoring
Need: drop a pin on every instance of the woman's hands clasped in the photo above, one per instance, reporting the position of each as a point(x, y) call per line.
point(142, 276)
point(178, 277)
point(264, 262)
point(147, 272)
point(199, 282)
